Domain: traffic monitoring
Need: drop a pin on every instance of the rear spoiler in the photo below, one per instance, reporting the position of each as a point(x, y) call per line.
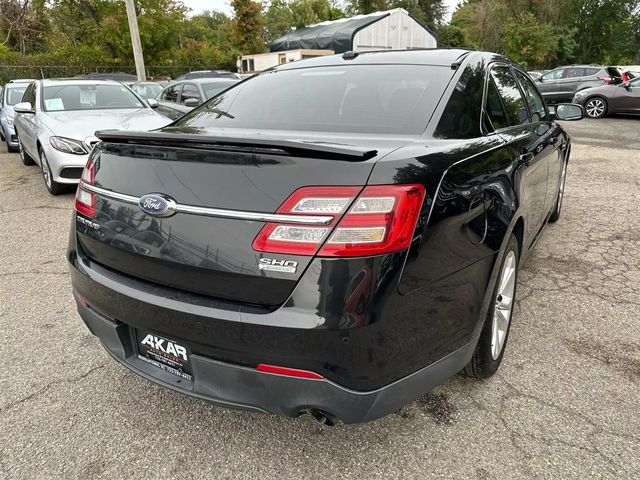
point(327, 151)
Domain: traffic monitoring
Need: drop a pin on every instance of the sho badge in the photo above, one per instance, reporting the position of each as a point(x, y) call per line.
point(273, 265)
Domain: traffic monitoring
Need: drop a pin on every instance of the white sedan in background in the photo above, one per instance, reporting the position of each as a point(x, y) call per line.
point(56, 121)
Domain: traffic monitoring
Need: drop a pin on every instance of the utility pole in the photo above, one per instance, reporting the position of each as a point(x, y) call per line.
point(135, 40)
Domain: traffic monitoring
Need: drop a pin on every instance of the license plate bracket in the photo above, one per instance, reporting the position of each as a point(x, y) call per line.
point(165, 354)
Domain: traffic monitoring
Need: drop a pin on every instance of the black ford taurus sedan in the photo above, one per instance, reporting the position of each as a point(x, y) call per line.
point(335, 236)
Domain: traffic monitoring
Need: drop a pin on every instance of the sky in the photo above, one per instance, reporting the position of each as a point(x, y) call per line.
point(197, 6)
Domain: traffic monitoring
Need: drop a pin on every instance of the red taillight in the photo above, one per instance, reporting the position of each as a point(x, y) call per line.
point(289, 372)
point(381, 219)
point(85, 200)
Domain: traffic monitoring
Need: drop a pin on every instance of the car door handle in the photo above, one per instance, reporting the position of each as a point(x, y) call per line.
point(525, 158)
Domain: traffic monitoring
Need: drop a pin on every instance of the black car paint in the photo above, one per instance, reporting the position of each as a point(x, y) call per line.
point(422, 305)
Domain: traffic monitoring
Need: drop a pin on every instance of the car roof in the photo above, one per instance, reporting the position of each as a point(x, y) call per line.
point(20, 80)
point(212, 80)
point(78, 81)
point(203, 81)
point(428, 56)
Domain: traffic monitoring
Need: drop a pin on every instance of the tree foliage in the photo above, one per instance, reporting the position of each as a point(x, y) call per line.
point(546, 33)
point(537, 33)
point(248, 26)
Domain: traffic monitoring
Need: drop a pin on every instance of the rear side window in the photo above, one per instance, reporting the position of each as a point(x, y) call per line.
point(389, 99)
point(494, 110)
point(189, 90)
point(554, 74)
point(512, 99)
point(172, 93)
point(536, 104)
point(591, 71)
point(574, 73)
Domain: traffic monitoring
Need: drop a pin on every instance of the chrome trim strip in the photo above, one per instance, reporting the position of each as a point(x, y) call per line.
point(219, 212)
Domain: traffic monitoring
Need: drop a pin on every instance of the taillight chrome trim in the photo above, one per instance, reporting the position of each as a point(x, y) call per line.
point(220, 212)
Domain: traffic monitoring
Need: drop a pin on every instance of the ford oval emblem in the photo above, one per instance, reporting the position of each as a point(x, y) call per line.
point(157, 205)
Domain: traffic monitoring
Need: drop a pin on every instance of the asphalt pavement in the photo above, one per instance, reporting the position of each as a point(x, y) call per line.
point(565, 403)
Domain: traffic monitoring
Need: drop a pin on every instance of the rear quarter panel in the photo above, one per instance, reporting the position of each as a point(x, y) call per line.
point(467, 214)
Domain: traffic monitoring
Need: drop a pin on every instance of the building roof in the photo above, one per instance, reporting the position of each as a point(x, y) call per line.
point(336, 35)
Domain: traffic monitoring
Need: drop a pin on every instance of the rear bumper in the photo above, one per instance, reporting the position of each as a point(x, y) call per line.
point(245, 388)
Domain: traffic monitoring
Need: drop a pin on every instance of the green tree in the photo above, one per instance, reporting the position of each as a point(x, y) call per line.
point(284, 15)
point(450, 36)
point(528, 42)
point(248, 26)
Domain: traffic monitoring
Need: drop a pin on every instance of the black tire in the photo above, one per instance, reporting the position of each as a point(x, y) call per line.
point(557, 209)
point(483, 364)
point(53, 187)
point(24, 156)
point(598, 107)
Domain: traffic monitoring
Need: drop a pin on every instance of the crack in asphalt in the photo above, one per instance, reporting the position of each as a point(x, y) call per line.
point(49, 385)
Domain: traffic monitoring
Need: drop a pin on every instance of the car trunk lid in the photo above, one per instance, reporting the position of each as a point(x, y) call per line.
point(238, 178)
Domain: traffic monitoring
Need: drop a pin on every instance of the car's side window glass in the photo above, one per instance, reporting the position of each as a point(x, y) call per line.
point(496, 117)
point(574, 73)
point(189, 90)
point(554, 74)
point(172, 93)
point(590, 71)
point(512, 99)
point(536, 104)
point(635, 82)
point(30, 95)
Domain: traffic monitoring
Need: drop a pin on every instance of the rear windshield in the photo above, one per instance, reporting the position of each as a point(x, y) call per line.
point(57, 98)
point(389, 99)
point(14, 94)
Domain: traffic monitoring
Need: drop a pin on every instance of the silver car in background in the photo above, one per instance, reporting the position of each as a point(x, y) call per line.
point(10, 95)
point(56, 120)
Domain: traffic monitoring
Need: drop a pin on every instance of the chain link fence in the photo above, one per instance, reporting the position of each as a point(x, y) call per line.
point(10, 72)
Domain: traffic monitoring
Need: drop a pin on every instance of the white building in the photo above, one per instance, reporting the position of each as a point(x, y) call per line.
point(388, 30)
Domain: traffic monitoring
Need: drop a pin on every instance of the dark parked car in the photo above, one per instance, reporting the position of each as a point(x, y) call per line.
point(561, 84)
point(336, 236)
point(181, 97)
point(208, 74)
point(601, 101)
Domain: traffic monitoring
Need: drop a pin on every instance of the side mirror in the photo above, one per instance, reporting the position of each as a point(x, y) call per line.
point(153, 103)
point(23, 107)
point(191, 102)
point(569, 111)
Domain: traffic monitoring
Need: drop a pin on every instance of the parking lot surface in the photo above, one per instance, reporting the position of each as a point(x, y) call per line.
point(564, 404)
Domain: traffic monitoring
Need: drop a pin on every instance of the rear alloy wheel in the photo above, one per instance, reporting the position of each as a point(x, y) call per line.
point(493, 338)
point(596, 107)
point(24, 156)
point(54, 187)
point(558, 208)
